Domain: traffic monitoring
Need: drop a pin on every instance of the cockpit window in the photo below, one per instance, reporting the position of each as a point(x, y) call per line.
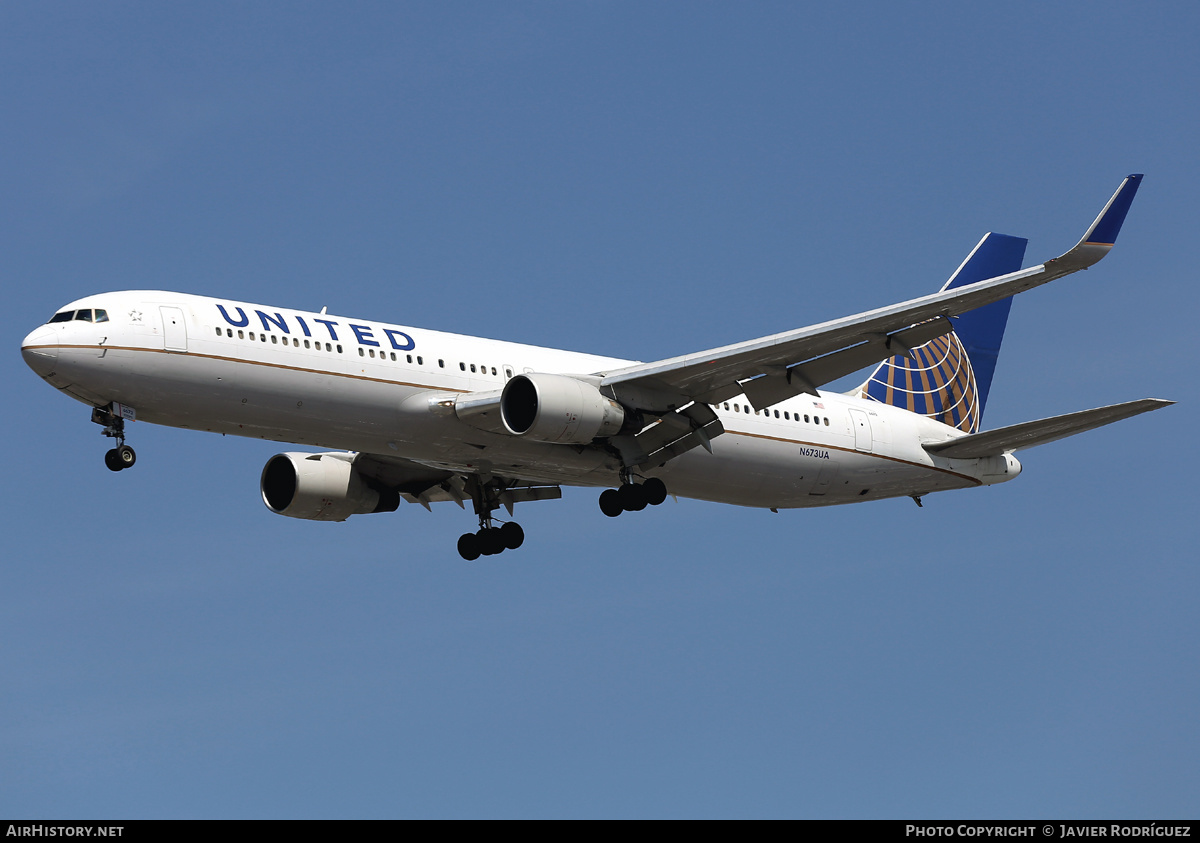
point(101, 316)
point(83, 316)
point(63, 316)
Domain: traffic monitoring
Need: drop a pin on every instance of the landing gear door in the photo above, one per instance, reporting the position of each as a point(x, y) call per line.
point(174, 329)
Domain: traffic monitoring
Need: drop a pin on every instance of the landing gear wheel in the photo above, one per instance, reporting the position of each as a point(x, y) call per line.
point(633, 497)
point(468, 546)
point(125, 456)
point(610, 503)
point(113, 461)
point(490, 541)
point(512, 535)
point(656, 491)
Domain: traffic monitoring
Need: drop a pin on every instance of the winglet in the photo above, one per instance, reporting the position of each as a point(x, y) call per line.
point(1103, 232)
point(1107, 226)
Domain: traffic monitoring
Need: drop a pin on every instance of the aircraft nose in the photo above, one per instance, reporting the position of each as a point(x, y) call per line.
point(40, 350)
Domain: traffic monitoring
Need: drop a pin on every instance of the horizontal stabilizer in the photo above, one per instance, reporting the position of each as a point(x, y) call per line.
point(1017, 437)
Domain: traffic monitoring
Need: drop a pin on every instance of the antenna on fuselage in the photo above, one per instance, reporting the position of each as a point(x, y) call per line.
point(323, 309)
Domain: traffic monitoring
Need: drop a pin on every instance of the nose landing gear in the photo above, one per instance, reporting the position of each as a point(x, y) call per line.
point(122, 456)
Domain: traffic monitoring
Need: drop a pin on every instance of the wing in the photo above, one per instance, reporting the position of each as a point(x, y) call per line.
point(773, 368)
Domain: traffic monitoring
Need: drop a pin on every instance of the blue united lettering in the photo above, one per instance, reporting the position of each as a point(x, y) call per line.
point(276, 320)
point(407, 345)
point(245, 319)
point(364, 334)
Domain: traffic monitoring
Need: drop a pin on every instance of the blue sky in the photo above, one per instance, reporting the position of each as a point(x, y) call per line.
point(640, 180)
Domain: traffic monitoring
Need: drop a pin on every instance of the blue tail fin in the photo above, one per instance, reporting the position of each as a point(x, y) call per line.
point(948, 378)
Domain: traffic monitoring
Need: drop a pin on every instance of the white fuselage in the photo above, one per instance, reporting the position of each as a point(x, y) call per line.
point(360, 385)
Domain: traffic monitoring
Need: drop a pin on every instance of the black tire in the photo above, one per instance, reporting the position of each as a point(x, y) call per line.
point(468, 546)
point(126, 456)
point(633, 497)
point(512, 535)
point(112, 460)
point(490, 541)
point(656, 491)
point(610, 503)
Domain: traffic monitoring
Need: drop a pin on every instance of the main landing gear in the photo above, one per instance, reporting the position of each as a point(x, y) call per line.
point(632, 497)
point(489, 540)
point(122, 456)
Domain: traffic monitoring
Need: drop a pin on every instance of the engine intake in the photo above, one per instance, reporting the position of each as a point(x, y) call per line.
point(558, 409)
point(320, 487)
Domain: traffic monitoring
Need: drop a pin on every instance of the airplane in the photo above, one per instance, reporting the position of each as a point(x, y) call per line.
point(424, 416)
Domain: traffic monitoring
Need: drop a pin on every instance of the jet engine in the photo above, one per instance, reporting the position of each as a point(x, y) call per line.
point(557, 408)
point(321, 487)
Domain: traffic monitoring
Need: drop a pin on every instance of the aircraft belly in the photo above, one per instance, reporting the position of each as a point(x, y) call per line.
point(761, 472)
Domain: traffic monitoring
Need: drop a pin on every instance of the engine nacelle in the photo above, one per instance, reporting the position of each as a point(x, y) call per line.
point(320, 487)
point(557, 408)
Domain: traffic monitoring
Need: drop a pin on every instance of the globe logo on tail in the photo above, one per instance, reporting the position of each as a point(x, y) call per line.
point(938, 383)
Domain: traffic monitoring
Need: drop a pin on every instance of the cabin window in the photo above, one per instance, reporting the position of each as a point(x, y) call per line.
point(306, 345)
point(263, 337)
point(827, 421)
point(339, 349)
point(462, 367)
point(393, 357)
point(295, 342)
point(408, 357)
point(786, 416)
point(274, 340)
point(493, 370)
point(229, 332)
point(241, 336)
point(776, 414)
point(472, 368)
point(218, 332)
point(735, 408)
point(806, 418)
point(420, 362)
point(328, 347)
point(361, 353)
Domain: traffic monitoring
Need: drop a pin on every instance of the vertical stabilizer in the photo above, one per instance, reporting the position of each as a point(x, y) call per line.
point(948, 378)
